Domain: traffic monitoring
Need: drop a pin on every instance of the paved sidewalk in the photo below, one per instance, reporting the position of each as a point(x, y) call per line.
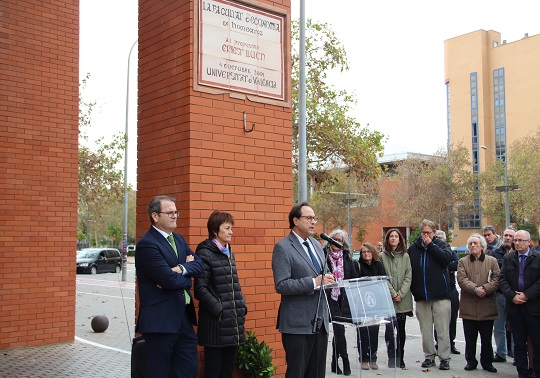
point(108, 354)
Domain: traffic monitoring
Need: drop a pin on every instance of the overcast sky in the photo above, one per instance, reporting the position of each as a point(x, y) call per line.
point(395, 50)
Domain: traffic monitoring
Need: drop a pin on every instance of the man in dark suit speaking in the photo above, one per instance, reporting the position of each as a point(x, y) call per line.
point(297, 263)
point(165, 265)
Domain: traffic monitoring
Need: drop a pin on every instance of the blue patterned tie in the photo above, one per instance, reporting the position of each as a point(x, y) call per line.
point(521, 282)
point(313, 258)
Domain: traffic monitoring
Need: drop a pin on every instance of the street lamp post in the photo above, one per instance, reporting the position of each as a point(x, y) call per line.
point(506, 188)
point(124, 236)
point(348, 200)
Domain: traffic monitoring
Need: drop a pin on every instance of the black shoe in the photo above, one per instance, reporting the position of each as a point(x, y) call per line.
point(444, 365)
point(497, 358)
point(392, 363)
point(453, 350)
point(346, 366)
point(428, 363)
point(334, 366)
point(491, 369)
point(470, 367)
point(402, 364)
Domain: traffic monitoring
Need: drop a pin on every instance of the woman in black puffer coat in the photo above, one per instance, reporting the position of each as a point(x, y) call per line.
point(222, 308)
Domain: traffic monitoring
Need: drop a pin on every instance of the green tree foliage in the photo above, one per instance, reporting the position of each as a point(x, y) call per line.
point(524, 171)
point(333, 137)
point(531, 227)
point(115, 235)
point(492, 201)
point(330, 202)
point(431, 188)
point(100, 178)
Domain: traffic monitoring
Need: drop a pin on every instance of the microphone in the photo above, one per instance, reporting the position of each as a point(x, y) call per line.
point(331, 241)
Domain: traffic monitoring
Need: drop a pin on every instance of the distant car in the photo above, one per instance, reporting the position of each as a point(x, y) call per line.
point(99, 260)
point(461, 249)
point(356, 255)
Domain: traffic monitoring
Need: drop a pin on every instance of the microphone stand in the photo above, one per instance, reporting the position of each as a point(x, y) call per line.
point(317, 319)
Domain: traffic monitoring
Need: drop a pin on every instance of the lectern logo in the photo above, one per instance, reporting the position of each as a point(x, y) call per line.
point(369, 299)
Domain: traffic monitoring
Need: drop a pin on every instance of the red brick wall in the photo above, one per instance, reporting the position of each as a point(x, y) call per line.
point(192, 145)
point(39, 44)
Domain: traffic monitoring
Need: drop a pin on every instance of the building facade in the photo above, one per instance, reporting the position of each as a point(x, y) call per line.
point(492, 96)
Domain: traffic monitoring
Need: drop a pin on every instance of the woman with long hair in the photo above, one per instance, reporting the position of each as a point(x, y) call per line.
point(369, 265)
point(397, 265)
point(341, 264)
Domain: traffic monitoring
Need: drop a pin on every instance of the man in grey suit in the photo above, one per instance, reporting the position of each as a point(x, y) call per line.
point(297, 263)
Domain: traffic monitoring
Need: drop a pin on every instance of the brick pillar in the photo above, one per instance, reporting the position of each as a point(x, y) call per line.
point(192, 145)
point(39, 64)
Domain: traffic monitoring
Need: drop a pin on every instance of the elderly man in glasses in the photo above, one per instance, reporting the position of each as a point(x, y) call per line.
point(520, 284)
point(165, 265)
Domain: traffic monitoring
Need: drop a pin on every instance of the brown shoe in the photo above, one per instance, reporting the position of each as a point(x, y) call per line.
point(365, 366)
point(374, 366)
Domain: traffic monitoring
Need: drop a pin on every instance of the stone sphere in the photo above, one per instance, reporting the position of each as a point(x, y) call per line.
point(100, 323)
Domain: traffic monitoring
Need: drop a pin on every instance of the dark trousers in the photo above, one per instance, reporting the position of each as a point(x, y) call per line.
point(339, 344)
point(174, 353)
point(454, 309)
point(219, 362)
point(305, 354)
point(524, 326)
point(398, 323)
point(367, 340)
point(471, 329)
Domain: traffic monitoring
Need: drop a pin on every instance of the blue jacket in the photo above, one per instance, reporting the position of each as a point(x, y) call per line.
point(430, 277)
point(161, 290)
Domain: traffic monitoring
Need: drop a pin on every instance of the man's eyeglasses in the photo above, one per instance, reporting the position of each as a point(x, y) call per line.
point(520, 240)
point(310, 218)
point(171, 214)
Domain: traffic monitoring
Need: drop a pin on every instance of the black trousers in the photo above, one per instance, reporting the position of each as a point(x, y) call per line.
point(339, 343)
point(219, 362)
point(367, 340)
point(471, 329)
point(399, 324)
point(172, 353)
point(305, 354)
point(525, 325)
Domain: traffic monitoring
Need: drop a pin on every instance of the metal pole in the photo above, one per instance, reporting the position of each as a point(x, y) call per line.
point(506, 189)
point(302, 146)
point(349, 225)
point(124, 236)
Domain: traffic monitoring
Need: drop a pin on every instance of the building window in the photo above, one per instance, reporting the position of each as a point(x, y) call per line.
point(469, 215)
point(499, 112)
